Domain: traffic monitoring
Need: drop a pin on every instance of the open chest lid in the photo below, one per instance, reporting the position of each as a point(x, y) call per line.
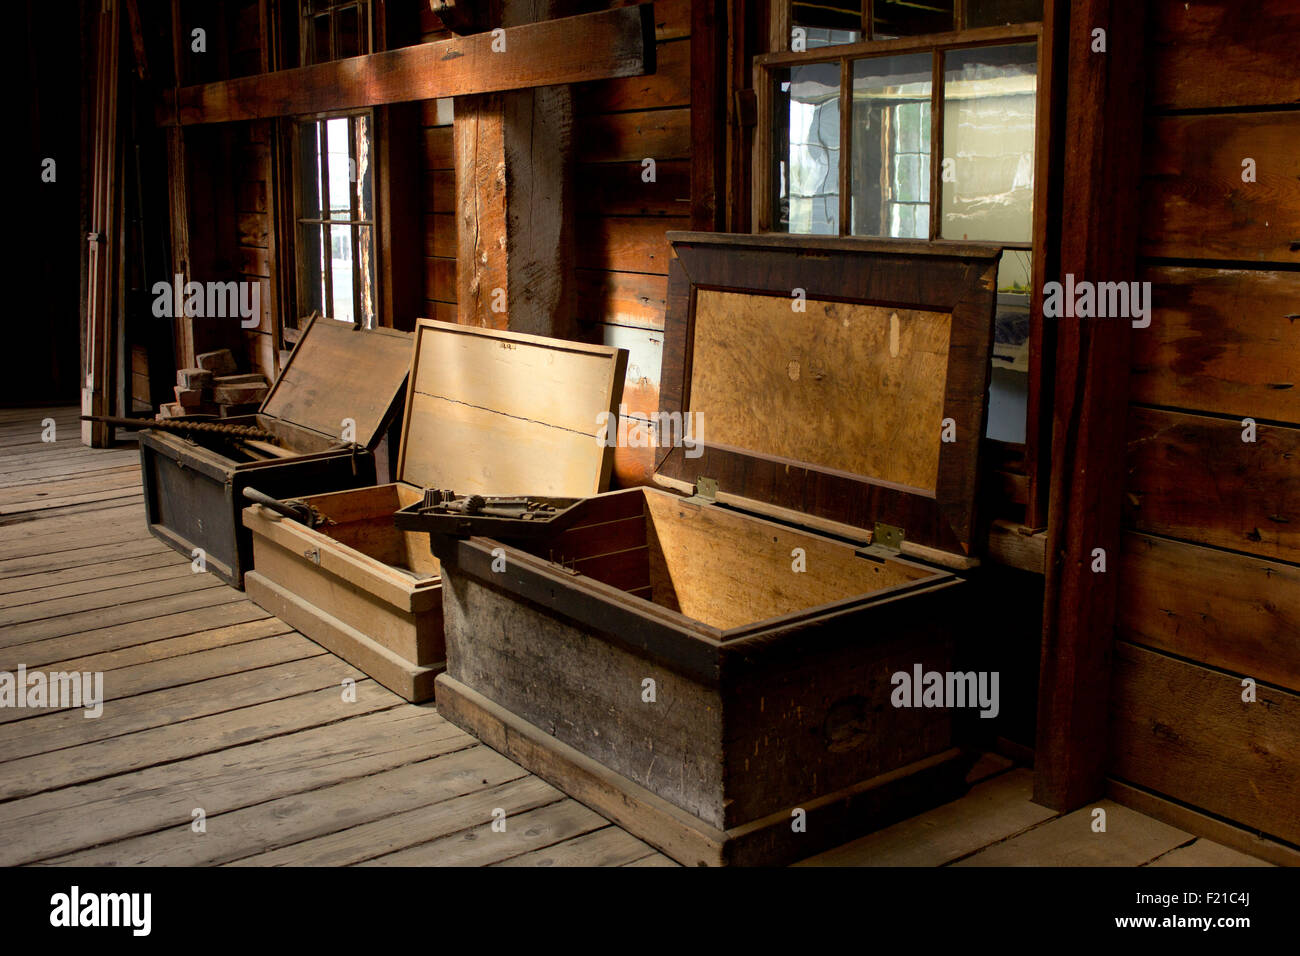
point(338, 372)
point(491, 412)
point(833, 382)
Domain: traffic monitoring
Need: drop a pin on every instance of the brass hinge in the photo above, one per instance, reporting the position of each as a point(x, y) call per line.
point(886, 541)
point(888, 536)
point(706, 491)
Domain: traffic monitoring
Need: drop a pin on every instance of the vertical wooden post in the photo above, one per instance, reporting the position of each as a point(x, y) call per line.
point(1103, 130)
point(97, 357)
point(514, 229)
point(709, 114)
point(178, 193)
point(1049, 156)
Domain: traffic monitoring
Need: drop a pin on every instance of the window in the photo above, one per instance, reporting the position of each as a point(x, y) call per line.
point(335, 234)
point(332, 158)
point(828, 22)
point(867, 132)
point(971, 146)
point(333, 30)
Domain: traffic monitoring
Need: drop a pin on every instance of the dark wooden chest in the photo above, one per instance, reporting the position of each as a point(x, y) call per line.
point(718, 672)
point(338, 382)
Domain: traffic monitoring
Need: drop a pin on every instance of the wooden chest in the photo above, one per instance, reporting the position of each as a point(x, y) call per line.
point(338, 382)
point(719, 673)
point(487, 412)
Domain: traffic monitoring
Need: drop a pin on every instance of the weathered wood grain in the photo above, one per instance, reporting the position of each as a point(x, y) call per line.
point(1192, 477)
point(993, 811)
point(631, 137)
point(1130, 839)
point(1172, 720)
point(420, 824)
point(1216, 55)
point(1231, 611)
point(622, 298)
point(40, 827)
point(1221, 340)
point(1194, 202)
point(569, 50)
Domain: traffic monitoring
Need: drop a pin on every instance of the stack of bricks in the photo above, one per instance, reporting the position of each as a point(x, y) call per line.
point(215, 388)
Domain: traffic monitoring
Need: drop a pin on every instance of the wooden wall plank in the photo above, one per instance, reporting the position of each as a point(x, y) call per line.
point(252, 229)
point(1252, 47)
point(1221, 340)
point(645, 348)
point(1192, 477)
point(252, 196)
point(440, 235)
point(254, 262)
point(439, 190)
point(630, 137)
point(669, 85)
point(620, 189)
point(672, 17)
point(627, 244)
point(1194, 203)
point(439, 150)
point(622, 298)
point(1232, 611)
point(1183, 730)
point(440, 280)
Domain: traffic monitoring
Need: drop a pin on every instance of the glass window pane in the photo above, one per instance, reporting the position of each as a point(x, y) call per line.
point(827, 22)
point(806, 166)
point(347, 28)
point(319, 49)
point(1008, 389)
point(891, 140)
point(908, 18)
point(342, 170)
point(341, 273)
point(996, 13)
point(988, 143)
point(309, 184)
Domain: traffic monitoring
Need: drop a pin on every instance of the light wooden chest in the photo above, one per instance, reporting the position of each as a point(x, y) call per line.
point(487, 412)
point(717, 673)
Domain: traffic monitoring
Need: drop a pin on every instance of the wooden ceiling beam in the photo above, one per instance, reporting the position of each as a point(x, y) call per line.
point(593, 46)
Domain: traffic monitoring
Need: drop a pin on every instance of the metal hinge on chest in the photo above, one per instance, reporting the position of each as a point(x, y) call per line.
point(706, 492)
point(886, 541)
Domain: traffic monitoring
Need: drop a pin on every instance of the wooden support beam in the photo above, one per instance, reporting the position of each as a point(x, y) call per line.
point(1103, 130)
point(612, 43)
point(514, 197)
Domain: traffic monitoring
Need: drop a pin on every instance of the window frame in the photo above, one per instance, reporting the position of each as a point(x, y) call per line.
point(289, 48)
point(292, 127)
point(1035, 452)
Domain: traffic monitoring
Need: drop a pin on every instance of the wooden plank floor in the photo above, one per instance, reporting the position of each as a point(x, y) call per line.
point(226, 738)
